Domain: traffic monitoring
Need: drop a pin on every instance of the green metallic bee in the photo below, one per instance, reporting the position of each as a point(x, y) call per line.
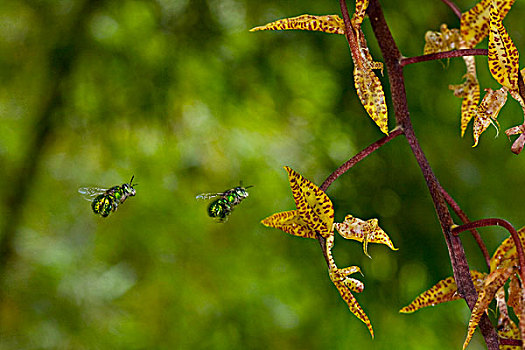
point(222, 207)
point(105, 201)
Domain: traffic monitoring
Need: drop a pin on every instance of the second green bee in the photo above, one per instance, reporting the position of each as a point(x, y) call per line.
point(222, 207)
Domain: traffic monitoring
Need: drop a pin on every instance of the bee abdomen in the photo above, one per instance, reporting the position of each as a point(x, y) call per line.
point(104, 204)
point(219, 208)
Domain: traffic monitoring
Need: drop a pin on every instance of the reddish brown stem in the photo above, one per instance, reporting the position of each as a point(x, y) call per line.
point(358, 157)
point(459, 212)
point(458, 259)
point(498, 222)
point(510, 342)
point(350, 35)
point(322, 243)
point(453, 7)
point(521, 85)
point(441, 55)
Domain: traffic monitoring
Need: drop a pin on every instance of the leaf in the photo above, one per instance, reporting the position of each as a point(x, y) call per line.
point(372, 97)
point(367, 84)
point(332, 24)
point(313, 205)
point(469, 91)
point(345, 285)
point(363, 231)
point(506, 252)
point(494, 281)
point(290, 222)
point(445, 40)
point(475, 22)
point(506, 256)
point(508, 330)
point(519, 143)
point(488, 111)
point(503, 54)
point(517, 302)
point(314, 214)
point(433, 42)
point(360, 12)
point(443, 291)
point(515, 130)
point(502, 306)
point(329, 244)
point(515, 295)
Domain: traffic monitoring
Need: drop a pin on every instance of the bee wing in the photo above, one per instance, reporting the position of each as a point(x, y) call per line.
point(91, 192)
point(209, 195)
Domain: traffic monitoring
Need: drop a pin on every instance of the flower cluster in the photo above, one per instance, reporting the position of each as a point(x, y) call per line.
point(314, 218)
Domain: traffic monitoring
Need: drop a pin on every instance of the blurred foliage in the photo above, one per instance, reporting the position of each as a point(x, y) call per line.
point(181, 95)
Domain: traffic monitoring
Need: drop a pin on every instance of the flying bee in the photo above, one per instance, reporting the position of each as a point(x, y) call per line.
point(222, 207)
point(105, 201)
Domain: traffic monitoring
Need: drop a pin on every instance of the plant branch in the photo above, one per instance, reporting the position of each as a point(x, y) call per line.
point(453, 7)
point(358, 157)
point(441, 55)
point(460, 268)
point(505, 224)
point(346, 166)
point(349, 34)
point(459, 212)
point(322, 243)
point(511, 342)
point(521, 85)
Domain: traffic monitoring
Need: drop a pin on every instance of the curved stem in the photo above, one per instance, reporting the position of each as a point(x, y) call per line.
point(521, 85)
point(498, 222)
point(441, 55)
point(350, 35)
point(458, 259)
point(459, 212)
point(322, 243)
point(453, 7)
point(510, 342)
point(358, 157)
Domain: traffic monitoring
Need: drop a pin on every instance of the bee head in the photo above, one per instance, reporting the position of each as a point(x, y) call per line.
point(241, 191)
point(128, 188)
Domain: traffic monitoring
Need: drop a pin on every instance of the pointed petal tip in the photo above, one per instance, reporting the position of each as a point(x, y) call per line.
point(287, 169)
point(267, 221)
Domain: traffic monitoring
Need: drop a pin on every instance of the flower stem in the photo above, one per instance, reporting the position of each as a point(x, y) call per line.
point(505, 224)
point(358, 157)
point(441, 55)
point(459, 212)
point(460, 267)
point(453, 7)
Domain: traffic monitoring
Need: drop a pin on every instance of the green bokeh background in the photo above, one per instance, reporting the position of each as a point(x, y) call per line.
point(181, 95)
